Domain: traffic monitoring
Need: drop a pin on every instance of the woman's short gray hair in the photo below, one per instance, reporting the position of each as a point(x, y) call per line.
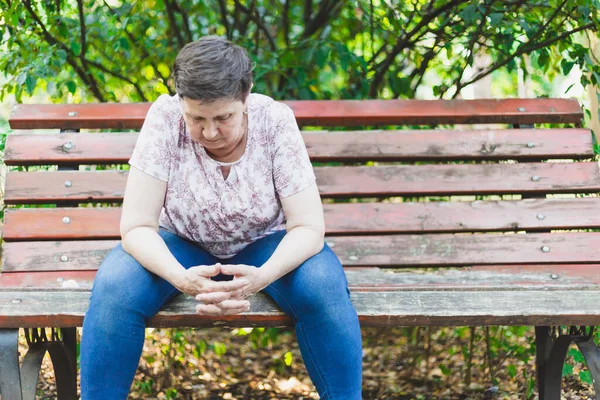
point(213, 68)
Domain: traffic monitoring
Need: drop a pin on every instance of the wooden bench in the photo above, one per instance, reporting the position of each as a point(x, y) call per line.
point(454, 227)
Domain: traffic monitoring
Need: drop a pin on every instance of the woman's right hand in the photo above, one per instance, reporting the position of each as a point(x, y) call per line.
point(196, 280)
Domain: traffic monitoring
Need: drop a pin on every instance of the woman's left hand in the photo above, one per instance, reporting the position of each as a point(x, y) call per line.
point(258, 281)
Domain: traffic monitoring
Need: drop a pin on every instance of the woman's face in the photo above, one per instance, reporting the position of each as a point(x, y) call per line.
point(218, 125)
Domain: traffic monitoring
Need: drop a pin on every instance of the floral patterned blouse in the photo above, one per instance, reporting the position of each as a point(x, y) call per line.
point(224, 215)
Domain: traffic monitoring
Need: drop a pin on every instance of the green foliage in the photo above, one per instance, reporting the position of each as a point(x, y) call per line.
point(596, 144)
point(123, 51)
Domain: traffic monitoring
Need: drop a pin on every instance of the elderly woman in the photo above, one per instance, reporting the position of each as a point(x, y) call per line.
point(220, 203)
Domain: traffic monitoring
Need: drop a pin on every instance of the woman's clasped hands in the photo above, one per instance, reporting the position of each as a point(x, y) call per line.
point(221, 297)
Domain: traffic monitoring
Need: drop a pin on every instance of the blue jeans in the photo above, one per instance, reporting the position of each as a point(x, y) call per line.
point(315, 295)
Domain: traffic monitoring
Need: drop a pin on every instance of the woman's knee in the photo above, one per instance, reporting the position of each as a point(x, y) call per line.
point(121, 283)
point(318, 285)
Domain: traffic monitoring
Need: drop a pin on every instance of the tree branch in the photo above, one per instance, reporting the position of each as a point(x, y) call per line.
point(469, 58)
point(258, 20)
point(419, 73)
point(82, 29)
point(543, 28)
point(186, 23)
point(286, 23)
point(173, 22)
point(307, 11)
point(142, 49)
point(383, 67)
point(91, 84)
point(117, 75)
point(525, 49)
point(327, 11)
point(223, 9)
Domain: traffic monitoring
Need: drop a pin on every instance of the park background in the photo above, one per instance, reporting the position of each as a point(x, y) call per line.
point(73, 51)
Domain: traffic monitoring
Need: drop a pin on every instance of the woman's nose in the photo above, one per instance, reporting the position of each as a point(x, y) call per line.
point(210, 132)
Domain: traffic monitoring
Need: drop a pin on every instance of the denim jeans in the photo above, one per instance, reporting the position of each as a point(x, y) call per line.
point(315, 295)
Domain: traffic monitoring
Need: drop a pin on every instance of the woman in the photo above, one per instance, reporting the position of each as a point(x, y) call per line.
point(220, 203)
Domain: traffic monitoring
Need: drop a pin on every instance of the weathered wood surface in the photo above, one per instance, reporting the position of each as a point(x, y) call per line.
point(320, 113)
point(519, 144)
point(436, 250)
point(397, 180)
point(350, 218)
point(413, 308)
point(369, 279)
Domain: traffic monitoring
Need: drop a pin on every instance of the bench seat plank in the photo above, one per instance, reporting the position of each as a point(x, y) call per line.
point(500, 277)
point(397, 180)
point(519, 144)
point(398, 308)
point(320, 113)
point(435, 250)
point(350, 218)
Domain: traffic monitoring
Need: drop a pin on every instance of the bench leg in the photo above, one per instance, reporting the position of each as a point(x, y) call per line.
point(550, 357)
point(21, 383)
point(591, 353)
point(10, 376)
point(551, 351)
point(64, 360)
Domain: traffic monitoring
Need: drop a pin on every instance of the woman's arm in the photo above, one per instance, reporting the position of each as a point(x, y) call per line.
point(305, 233)
point(144, 199)
point(304, 238)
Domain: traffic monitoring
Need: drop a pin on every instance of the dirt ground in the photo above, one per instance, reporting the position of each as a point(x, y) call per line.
point(436, 363)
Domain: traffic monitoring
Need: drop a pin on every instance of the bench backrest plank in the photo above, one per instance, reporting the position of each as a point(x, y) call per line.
point(339, 182)
point(341, 219)
point(492, 144)
point(321, 113)
point(426, 250)
point(405, 232)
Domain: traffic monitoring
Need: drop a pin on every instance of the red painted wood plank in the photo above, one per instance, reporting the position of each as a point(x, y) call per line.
point(55, 256)
point(400, 180)
point(519, 144)
point(435, 250)
point(320, 113)
point(507, 277)
point(352, 218)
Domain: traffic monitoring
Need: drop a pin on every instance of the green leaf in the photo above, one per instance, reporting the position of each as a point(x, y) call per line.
point(512, 370)
point(124, 43)
point(470, 14)
point(63, 30)
point(544, 59)
point(76, 47)
point(321, 55)
point(61, 54)
point(595, 142)
point(220, 348)
point(566, 66)
point(71, 86)
point(567, 369)
point(586, 377)
point(445, 370)
point(30, 83)
point(288, 358)
point(496, 18)
point(576, 354)
point(21, 78)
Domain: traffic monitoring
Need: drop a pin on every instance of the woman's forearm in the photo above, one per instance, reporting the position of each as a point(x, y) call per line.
point(297, 246)
point(149, 249)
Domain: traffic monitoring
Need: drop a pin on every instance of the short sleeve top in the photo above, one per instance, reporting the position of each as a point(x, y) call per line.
point(224, 215)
